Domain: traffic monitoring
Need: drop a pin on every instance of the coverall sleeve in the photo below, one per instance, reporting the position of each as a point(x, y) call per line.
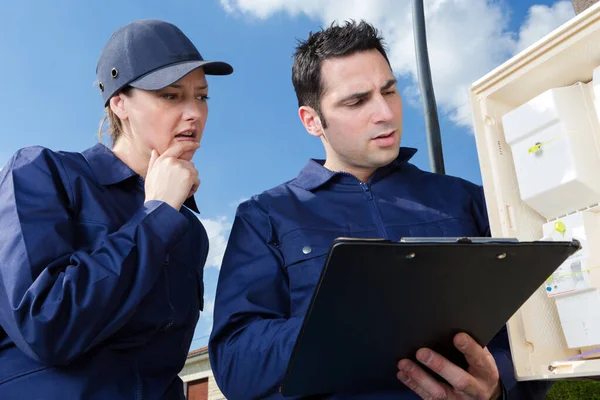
point(58, 301)
point(253, 333)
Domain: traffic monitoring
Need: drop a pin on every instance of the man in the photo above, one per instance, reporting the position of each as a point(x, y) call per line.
point(366, 187)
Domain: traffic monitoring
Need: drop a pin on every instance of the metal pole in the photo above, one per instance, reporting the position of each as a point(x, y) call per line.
point(432, 125)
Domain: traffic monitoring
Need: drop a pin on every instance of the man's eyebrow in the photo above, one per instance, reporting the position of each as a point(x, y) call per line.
point(177, 86)
point(354, 96)
point(389, 84)
point(362, 95)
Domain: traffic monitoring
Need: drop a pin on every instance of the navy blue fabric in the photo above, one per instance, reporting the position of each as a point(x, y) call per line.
point(267, 280)
point(99, 292)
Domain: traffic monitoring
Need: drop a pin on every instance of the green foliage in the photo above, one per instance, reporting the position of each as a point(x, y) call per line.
point(574, 390)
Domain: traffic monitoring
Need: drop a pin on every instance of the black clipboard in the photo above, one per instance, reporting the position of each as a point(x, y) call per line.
point(379, 301)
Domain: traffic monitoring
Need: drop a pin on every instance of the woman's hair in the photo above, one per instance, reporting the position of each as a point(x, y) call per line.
point(115, 126)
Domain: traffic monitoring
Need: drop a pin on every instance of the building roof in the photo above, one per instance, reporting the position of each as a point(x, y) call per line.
point(198, 352)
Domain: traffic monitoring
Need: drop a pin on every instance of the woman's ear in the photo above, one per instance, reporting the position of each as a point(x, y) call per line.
point(117, 105)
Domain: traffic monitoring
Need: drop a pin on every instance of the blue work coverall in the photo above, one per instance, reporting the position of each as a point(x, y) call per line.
point(277, 249)
point(99, 293)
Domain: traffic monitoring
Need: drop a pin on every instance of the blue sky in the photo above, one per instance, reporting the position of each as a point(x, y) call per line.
point(253, 139)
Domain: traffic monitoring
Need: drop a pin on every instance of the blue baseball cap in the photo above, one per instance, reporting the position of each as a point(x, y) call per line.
point(149, 54)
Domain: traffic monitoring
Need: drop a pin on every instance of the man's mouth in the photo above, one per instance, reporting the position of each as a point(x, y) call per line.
point(385, 139)
point(385, 135)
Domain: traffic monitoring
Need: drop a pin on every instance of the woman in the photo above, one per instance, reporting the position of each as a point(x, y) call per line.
point(100, 262)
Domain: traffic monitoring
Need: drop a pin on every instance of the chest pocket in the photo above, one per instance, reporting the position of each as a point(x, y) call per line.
point(305, 252)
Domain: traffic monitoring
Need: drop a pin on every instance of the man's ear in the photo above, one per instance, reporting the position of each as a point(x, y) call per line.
point(117, 105)
point(311, 121)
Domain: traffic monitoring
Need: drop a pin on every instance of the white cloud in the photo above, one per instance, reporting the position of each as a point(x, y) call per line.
point(266, 8)
point(466, 38)
point(218, 230)
point(543, 19)
point(218, 233)
point(226, 4)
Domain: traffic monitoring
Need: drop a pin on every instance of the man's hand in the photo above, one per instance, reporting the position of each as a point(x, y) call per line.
point(481, 381)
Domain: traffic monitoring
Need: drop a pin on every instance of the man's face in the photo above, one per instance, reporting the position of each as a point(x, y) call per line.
point(363, 111)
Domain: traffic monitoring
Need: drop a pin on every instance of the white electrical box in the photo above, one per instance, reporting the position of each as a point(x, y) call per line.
point(581, 271)
point(596, 88)
point(537, 130)
point(579, 315)
point(554, 150)
point(575, 285)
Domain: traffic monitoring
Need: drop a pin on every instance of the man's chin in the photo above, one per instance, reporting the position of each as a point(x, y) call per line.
point(385, 157)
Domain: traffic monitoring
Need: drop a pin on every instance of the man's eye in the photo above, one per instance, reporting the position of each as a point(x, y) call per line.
point(356, 103)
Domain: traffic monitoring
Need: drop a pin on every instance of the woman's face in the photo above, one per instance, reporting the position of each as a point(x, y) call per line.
point(158, 119)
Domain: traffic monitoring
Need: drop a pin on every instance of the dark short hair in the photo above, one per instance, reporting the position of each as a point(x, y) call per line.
point(335, 41)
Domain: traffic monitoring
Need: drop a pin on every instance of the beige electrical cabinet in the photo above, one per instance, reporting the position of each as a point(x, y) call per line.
point(537, 131)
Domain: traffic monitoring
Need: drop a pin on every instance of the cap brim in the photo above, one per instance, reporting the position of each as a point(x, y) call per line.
point(170, 74)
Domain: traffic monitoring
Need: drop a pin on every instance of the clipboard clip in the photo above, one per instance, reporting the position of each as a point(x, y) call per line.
point(466, 240)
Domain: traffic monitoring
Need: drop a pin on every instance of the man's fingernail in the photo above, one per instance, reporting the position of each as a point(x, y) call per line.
point(425, 356)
